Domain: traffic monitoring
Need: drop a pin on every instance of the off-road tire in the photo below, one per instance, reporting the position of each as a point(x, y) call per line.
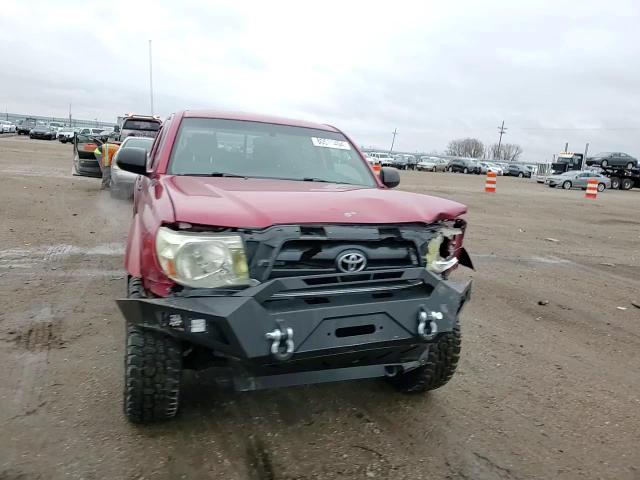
point(153, 366)
point(441, 364)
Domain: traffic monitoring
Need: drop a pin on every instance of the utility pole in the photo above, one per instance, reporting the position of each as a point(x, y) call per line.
point(502, 131)
point(395, 132)
point(150, 78)
point(70, 124)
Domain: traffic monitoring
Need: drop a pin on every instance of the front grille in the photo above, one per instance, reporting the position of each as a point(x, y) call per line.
point(314, 257)
point(305, 250)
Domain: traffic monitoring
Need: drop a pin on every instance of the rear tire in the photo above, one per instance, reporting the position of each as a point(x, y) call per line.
point(441, 363)
point(153, 366)
point(629, 165)
point(627, 184)
point(604, 163)
point(615, 183)
point(520, 175)
point(566, 185)
point(466, 170)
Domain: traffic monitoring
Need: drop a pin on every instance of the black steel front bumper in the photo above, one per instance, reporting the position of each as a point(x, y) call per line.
point(353, 327)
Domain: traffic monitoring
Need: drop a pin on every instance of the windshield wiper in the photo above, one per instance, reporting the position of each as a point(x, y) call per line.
point(214, 174)
point(321, 180)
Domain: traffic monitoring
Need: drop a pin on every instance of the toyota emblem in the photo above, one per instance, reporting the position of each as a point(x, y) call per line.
point(351, 261)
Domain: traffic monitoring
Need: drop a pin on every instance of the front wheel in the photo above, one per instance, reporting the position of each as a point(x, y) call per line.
point(566, 185)
point(604, 163)
point(466, 170)
point(629, 165)
point(440, 365)
point(601, 187)
point(153, 367)
point(520, 175)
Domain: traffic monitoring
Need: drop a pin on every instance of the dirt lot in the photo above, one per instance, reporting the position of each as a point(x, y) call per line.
point(543, 391)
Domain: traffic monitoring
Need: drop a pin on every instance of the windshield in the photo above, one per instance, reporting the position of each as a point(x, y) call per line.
point(253, 149)
point(138, 142)
point(147, 125)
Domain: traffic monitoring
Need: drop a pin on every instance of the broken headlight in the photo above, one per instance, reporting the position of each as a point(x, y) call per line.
point(442, 249)
point(202, 260)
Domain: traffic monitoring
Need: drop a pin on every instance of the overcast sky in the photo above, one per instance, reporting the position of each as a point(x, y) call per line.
point(554, 71)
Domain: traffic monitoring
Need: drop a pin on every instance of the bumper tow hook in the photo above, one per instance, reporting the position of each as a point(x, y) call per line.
point(427, 326)
point(281, 342)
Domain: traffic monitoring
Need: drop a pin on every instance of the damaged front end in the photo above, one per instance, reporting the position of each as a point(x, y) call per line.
point(312, 312)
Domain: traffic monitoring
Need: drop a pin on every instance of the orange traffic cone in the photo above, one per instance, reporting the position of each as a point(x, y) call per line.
point(490, 185)
point(592, 189)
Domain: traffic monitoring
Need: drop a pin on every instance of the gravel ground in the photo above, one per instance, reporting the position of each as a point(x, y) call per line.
point(543, 391)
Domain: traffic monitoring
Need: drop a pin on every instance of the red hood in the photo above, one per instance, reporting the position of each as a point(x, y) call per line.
point(260, 203)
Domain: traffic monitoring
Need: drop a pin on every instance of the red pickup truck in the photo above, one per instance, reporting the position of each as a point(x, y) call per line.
point(268, 247)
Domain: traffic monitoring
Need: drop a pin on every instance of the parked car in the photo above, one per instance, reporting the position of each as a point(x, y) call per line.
point(490, 167)
point(403, 161)
point(90, 131)
point(122, 181)
point(25, 126)
point(7, 127)
point(65, 134)
point(432, 164)
point(383, 159)
point(400, 162)
point(520, 170)
point(613, 159)
point(268, 262)
point(464, 165)
point(140, 126)
point(44, 132)
point(578, 179)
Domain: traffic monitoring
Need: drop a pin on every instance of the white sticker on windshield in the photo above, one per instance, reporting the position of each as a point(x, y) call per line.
point(330, 143)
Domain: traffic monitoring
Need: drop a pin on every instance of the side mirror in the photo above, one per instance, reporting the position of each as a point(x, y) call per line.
point(390, 177)
point(116, 129)
point(133, 160)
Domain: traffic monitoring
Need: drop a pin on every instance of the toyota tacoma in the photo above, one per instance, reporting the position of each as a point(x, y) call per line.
point(269, 249)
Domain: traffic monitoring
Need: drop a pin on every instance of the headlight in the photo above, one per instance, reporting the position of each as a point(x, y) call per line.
point(202, 260)
point(442, 249)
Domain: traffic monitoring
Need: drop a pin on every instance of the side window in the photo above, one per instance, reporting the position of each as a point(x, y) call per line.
point(153, 155)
